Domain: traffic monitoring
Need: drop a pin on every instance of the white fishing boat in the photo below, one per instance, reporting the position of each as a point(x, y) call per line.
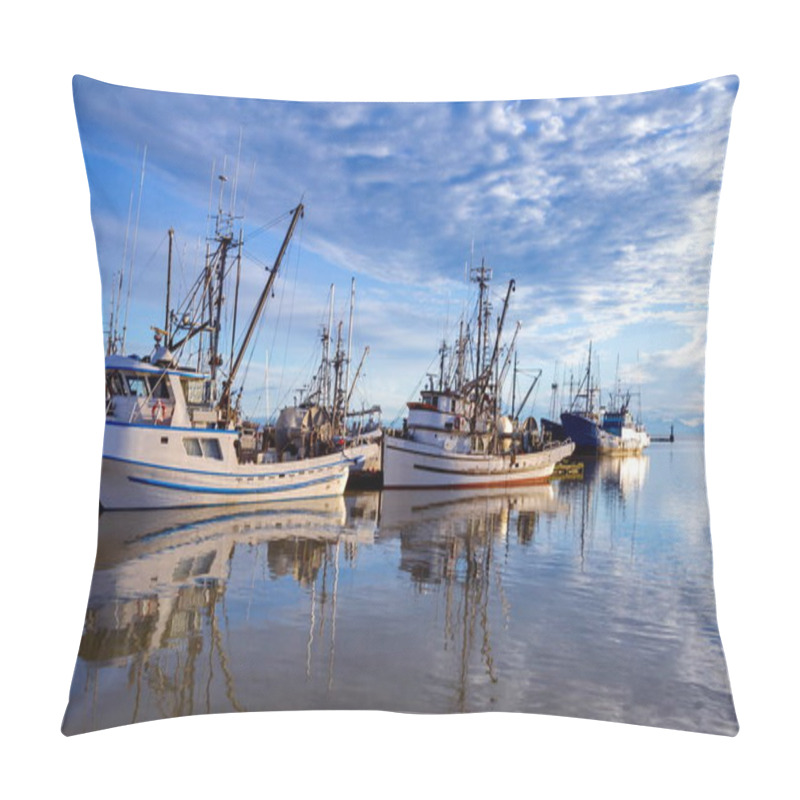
point(457, 435)
point(175, 435)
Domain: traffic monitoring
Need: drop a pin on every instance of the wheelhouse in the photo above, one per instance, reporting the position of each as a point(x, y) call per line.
point(142, 393)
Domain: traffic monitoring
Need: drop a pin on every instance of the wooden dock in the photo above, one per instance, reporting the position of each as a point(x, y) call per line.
point(569, 470)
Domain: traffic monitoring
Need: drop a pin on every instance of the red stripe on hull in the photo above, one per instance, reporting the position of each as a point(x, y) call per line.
point(482, 485)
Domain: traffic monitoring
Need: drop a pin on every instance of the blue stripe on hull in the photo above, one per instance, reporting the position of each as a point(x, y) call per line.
point(180, 487)
point(287, 471)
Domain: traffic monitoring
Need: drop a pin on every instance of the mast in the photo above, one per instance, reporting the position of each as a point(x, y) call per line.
point(349, 343)
point(514, 387)
point(224, 401)
point(225, 239)
point(337, 400)
point(113, 338)
point(442, 355)
point(460, 357)
point(589, 381)
point(327, 399)
point(481, 276)
point(493, 366)
point(236, 293)
point(169, 286)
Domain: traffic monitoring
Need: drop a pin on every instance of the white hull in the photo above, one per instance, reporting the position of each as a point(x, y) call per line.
point(410, 464)
point(631, 441)
point(147, 467)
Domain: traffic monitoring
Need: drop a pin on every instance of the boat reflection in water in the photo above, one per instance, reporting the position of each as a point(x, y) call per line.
point(453, 522)
point(587, 597)
point(454, 544)
point(158, 595)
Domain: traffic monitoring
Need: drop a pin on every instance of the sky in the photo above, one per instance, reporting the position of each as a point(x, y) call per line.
point(601, 209)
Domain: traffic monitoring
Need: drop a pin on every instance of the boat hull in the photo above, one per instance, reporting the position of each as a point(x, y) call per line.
point(408, 464)
point(366, 470)
point(589, 436)
point(142, 469)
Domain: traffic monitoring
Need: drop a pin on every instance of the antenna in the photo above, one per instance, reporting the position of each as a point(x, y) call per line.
point(327, 354)
point(236, 174)
point(266, 384)
point(133, 250)
point(349, 341)
point(210, 194)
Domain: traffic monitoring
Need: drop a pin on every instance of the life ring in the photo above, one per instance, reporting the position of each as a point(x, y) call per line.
point(159, 412)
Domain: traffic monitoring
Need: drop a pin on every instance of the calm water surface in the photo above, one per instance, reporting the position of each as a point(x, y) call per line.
point(589, 598)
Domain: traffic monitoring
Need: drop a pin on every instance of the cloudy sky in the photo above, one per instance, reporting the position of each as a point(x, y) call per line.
point(601, 209)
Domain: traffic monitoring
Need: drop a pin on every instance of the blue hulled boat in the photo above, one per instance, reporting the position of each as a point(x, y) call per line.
point(600, 430)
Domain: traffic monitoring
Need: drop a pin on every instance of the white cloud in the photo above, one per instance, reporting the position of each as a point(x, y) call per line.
point(602, 208)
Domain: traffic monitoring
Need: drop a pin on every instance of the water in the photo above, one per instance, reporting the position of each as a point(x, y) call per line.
point(589, 598)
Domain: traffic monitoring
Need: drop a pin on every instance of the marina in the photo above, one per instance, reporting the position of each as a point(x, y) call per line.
point(308, 502)
point(177, 436)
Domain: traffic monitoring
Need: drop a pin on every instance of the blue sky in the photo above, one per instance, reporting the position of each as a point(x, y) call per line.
point(602, 210)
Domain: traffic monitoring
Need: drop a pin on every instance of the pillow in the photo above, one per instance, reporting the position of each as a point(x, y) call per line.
point(404, 407)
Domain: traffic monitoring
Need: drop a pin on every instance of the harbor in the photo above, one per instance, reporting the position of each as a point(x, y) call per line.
point(332, 476)
point(176, 435)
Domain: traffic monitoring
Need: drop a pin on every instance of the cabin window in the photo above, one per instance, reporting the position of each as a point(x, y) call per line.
point(203, 448)
point(192, 447)
point(115, 385)
point(159, 388)
point(211, 448)
point(137, 385)
point(194, 392)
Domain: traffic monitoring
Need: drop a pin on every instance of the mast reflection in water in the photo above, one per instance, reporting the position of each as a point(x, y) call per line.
point(590, 598)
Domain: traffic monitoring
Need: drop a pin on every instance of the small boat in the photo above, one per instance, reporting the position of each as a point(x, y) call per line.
point(175, 435)
point(608, 431)
point(457, 435)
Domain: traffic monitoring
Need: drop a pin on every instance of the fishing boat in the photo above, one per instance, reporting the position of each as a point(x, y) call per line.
point(323, 419)
point(629, 436)
point(175, 435)
point(608, 430)
point(457, 435)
